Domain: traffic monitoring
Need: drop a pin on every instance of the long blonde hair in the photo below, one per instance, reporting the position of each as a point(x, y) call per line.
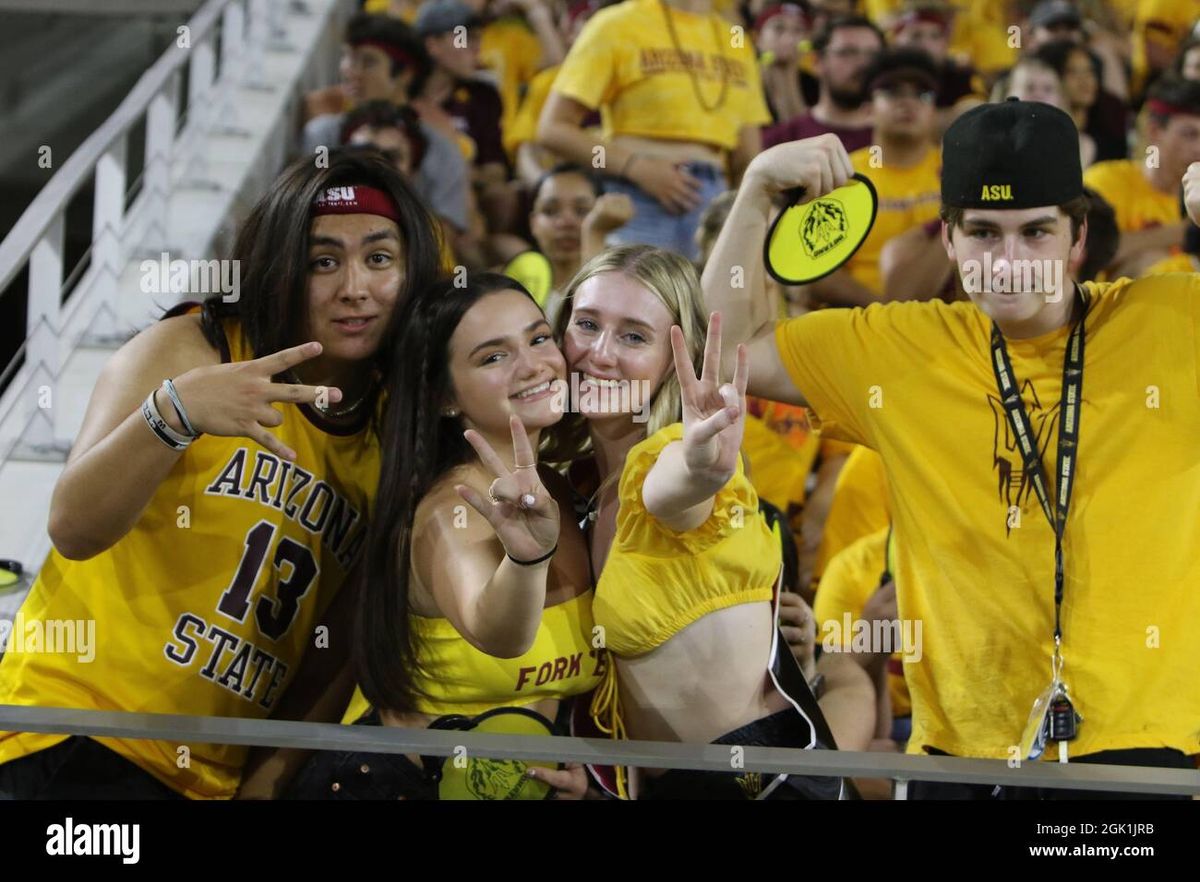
point(670, 278)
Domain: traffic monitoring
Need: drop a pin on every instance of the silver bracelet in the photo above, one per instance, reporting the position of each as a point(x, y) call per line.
point(169, 388)
point(161, 428)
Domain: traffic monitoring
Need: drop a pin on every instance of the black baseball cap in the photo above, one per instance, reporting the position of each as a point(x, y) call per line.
point(1015, 154)
point(903, 65)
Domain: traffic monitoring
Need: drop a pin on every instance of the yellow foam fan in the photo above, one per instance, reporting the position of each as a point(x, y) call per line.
point(488, 779)
point(810, 240)
point(532, 269)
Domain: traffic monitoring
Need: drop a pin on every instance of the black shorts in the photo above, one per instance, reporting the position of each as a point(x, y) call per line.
point(787, 728)
point(79, 768)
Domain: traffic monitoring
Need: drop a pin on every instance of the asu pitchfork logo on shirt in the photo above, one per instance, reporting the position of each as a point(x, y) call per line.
point(1014, 485)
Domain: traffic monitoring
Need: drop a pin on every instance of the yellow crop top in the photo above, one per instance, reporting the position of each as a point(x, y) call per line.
point(657, 581)
point(456, 678)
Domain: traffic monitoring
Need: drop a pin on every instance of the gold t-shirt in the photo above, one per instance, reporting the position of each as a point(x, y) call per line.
point(974, 552)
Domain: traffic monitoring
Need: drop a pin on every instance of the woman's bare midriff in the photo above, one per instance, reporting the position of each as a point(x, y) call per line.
point(676, 151)
point(707, 680)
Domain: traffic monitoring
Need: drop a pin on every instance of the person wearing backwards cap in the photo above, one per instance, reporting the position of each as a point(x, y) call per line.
point(207, 523)
point(984, 448)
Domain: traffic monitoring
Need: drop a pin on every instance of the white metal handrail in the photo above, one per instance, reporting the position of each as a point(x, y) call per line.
point(54, 327)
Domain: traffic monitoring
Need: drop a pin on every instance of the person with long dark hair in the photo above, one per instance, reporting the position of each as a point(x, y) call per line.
point(475, 615)
point(206, 523)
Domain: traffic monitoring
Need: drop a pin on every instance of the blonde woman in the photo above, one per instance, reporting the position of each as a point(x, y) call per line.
point(685, 564)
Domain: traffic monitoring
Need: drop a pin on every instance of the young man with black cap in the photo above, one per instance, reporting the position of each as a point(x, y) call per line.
point(1030, 404)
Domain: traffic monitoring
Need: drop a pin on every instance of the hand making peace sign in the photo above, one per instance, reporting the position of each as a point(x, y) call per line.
point(520, 510)
point(234, 399)
point(714, 415)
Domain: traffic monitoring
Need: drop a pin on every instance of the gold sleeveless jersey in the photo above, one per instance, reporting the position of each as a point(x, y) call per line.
point(208, 604)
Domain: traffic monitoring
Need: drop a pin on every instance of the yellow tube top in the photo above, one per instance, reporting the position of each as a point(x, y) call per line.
point(657, 581)
point(454, 677)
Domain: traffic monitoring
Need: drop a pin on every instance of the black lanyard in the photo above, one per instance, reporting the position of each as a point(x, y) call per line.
point(1068, 439)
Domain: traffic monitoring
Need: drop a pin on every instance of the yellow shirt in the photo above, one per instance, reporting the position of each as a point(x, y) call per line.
point(657, 581)
point(522, 128)
point(510, 48)
point(984, 589)
point(208, 604)
point(624, 63)
point(859, 508)
point(979, 34)
point(1163, 22)
point(1137, 204)
point(848, 583)
point(908, 197)
point(1176, 263)
point(455, 677)
point(407, 14)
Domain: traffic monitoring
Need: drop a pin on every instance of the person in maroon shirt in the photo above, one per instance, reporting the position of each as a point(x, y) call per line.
point(451, 37)
point(844, 49)
point(457, 100)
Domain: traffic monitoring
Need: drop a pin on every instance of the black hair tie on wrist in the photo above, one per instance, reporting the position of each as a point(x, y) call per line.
point(529, 563)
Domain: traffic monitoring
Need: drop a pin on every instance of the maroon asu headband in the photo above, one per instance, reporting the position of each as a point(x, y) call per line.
point(356, 199)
